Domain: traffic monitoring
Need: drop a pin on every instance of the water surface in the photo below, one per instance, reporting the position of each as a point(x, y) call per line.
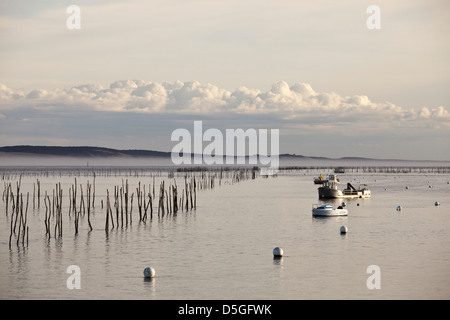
point(223, 248)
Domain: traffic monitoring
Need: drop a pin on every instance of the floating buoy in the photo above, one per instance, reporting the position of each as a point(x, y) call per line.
point(344, 229)
point(407, 187)
point(357, 204)
point(436, 203)
point(430, 186)
point(149, 272)
point(277, 252)
point(399, 208)
point(343, 204)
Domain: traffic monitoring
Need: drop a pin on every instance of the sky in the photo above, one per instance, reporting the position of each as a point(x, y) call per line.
point(137, 70)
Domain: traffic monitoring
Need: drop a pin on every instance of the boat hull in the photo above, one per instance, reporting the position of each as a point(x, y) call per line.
point(329, 213)
point(328, 193)
point(365, 193)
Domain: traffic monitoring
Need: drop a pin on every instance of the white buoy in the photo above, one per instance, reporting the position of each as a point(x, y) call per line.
point(277, 252)
point(436, 203)
point(399, 208)
point(344, 229)
point(343, 204)
point(149, 272)
point(406, 187)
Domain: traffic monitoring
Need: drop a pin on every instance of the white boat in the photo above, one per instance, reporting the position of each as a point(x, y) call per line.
point(328, 211)
point(351, 192)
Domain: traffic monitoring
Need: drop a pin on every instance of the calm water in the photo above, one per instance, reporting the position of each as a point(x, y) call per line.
point(223, 249)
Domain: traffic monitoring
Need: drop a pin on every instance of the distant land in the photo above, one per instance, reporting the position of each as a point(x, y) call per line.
point(86, 152)
point(81, 151)
point(27, 155)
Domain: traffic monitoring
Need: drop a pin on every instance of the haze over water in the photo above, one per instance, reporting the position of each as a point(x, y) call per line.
point(223, 248)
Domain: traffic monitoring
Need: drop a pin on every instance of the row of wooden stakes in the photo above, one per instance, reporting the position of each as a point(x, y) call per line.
point(119, 203)
point(169, 202)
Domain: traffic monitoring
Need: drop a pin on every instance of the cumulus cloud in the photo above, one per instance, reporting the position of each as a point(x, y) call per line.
point(8, 94)
point(142, 114)
point(295, 102)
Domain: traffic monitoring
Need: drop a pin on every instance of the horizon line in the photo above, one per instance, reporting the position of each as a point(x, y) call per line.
point(168, 153)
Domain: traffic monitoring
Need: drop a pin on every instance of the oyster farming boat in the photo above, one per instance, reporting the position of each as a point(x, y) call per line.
point(351, 192)
point(329, 188)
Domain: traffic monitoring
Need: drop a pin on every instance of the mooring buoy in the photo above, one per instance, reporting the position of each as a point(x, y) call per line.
point(277, 252)
point(344, 229)
point(149, 272)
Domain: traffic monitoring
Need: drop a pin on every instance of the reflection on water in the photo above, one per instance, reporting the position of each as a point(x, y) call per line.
point(150, 286)
point(222, 250)
point(278, 261)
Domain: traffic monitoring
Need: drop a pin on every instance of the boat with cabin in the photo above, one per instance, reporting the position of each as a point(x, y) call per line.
point(326, 210)
point(329, 188)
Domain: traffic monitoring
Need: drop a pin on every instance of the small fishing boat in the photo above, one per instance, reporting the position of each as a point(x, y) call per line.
point(329, 188)
point(328, 211)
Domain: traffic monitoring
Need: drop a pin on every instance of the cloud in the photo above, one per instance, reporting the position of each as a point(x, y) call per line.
point(441, 112)
point(8, 94)
point(298, 102)
point(142, 114)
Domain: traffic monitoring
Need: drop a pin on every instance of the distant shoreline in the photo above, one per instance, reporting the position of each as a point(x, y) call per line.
point(88, 152)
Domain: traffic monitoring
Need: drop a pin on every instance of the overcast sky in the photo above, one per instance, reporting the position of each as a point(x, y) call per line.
point(137, 70)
